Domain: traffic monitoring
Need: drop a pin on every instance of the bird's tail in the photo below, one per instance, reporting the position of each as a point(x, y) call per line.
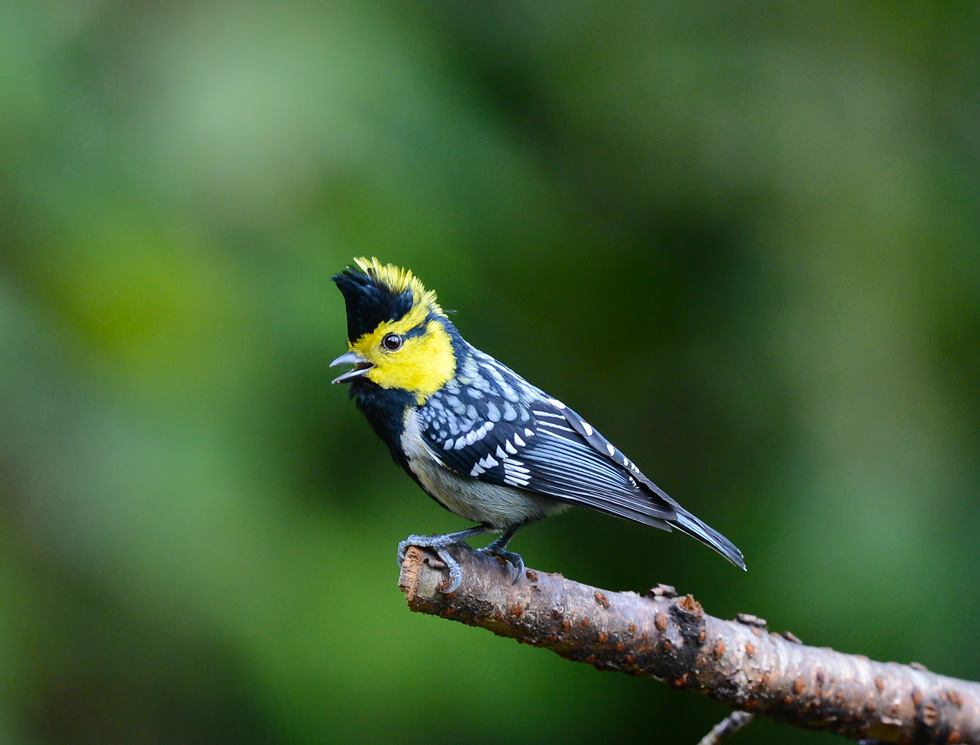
point(688, 523)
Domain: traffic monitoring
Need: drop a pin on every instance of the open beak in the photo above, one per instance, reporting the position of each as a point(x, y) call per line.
point(361, 366)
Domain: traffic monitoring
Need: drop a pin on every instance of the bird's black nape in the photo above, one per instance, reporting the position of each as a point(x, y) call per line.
point(369, 302)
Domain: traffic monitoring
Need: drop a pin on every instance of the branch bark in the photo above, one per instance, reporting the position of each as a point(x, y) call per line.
point(739, 663)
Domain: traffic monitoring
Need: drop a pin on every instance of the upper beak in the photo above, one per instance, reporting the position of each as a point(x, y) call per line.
point(351, 358)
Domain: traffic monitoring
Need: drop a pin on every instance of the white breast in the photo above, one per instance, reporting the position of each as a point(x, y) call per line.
point(479, 501)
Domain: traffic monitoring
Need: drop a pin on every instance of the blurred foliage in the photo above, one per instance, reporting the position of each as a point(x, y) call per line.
point(742, 239)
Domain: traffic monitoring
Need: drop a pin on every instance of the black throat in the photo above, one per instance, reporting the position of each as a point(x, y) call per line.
point(384, 409)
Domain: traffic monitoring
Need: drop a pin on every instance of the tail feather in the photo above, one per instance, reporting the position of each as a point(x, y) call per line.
point(688, 523)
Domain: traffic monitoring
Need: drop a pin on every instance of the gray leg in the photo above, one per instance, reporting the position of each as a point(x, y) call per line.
point(499, 548)
point(439, 543)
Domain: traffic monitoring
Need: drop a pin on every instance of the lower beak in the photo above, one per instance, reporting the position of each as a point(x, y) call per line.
point(351, 358)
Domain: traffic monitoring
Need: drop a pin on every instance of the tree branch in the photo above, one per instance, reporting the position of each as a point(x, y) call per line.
point(671, 638)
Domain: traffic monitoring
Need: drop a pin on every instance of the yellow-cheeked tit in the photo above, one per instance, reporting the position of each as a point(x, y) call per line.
point(477, 437)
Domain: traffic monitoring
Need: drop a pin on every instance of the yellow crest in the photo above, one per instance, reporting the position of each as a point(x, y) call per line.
point(399, 280)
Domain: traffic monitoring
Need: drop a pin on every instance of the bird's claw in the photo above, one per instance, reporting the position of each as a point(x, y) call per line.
point(403, 547)
point(455, 573)
point(439, 545)
point(511, 557)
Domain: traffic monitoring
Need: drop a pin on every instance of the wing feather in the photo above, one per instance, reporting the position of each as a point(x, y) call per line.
point(550, 451)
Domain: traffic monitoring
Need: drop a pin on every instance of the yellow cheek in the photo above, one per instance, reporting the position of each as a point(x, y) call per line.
point(422, 366)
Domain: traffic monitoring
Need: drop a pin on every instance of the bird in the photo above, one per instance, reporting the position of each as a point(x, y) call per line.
point(477, 437)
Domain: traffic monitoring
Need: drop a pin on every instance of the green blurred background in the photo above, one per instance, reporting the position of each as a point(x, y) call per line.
point(743, 240)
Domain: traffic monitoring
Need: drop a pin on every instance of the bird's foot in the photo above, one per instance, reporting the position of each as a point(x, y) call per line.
point(440, 544)
point(514, 558)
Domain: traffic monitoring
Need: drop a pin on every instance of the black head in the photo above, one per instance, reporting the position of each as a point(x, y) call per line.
point(375, 293)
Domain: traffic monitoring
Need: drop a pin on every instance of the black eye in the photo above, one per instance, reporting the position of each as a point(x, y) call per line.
point(392, 342)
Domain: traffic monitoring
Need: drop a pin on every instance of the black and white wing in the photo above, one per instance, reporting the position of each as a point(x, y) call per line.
point(538, 444)
point(500, 430)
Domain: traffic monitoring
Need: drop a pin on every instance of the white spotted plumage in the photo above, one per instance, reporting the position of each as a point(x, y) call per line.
point(498, 445)
point(481, 440)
